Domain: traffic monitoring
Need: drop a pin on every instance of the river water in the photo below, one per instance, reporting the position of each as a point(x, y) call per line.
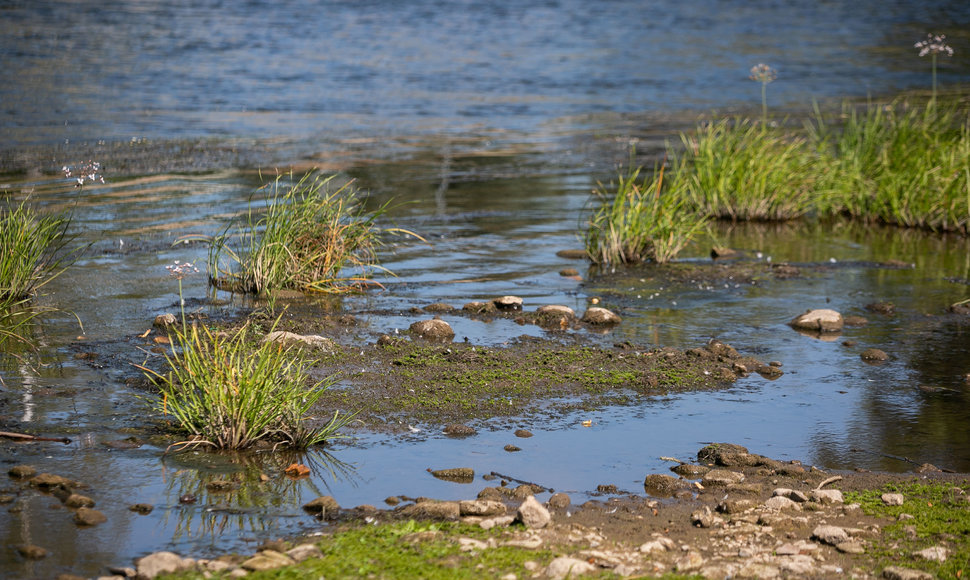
point(487, 125)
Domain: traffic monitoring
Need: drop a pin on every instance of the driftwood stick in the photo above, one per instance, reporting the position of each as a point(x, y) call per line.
point(522, 481)
point(832, 479)
point(26, 437)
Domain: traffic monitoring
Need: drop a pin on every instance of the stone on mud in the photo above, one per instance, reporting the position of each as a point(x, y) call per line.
point(661, 485)
point(934, 554)
point(166, 320)
point(825, 496)
point(559, 501)
point(439, 307)
point(159, 563)
point(304, 552)
point(780, 502)
point(568, 567)
point(481, 507)
point(557, 309)
point(435, 330)
point(831, 535)
point(900, 573)
point(435, 510)
point(597, 315)
point(533, 514)
point(508, 303)
point(721, 477)
point(892, 498)
point(324, 506)
point(459, 430)
point(821, 320)
point(313, 340)
point(267, 560)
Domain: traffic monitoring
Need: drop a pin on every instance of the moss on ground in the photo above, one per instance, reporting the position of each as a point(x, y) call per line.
point(416, 382)
point(940, 517)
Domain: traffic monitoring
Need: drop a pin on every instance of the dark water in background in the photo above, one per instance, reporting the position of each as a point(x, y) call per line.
point(318, 72)
point(490, 123)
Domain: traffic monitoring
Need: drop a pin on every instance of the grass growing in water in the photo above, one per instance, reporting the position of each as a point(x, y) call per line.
point(640, 221)
point(899, 164)
point(308, 236)
point(741, 170)
point(228, 392)
point(31, 255)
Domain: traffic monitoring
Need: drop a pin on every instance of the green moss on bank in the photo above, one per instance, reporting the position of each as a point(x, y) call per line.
point(940, 517)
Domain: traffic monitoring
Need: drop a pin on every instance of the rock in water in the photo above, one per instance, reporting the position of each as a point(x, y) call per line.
point(597, 315)
point(822, 320)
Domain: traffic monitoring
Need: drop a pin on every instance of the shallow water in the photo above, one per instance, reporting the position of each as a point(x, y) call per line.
point(487, 124)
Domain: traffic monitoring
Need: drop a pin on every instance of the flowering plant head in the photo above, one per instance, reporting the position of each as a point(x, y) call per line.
point(934, 44)
point(179, 270)
point(90, 171)
point(763, 73)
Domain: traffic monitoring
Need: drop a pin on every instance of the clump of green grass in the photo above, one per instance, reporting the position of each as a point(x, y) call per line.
point(640, 221)
point(407, 549)
point(741, 170)
point(31, 253)
point(899, 164)
point(940, 518)
point(309, 235)
point(229, 392)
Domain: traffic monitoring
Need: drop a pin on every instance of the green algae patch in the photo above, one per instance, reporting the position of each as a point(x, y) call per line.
point(402, 382)
point(933, 515)
point(409, 549)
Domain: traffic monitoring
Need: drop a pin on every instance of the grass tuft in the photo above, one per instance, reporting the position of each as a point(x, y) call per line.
point(741, 170)
point(227, 392)
point(307, 237)
point(899, 164)
point(638, 222)
point(31, 255)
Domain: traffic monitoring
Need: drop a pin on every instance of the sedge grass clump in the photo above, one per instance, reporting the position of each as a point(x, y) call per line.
point(640, 221)
point(31, 253)
point(741, 170)
point(308, 238)
point(899, 164)
point(229, 391)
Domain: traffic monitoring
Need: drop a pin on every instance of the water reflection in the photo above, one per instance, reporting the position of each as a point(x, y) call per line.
point(209, 494)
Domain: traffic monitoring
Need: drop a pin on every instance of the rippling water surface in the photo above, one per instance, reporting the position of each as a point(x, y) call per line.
point(487, 124)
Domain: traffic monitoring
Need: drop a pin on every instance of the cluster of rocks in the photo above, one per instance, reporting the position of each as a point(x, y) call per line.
point(553, 316)
point(66, 490)
point(826, 324)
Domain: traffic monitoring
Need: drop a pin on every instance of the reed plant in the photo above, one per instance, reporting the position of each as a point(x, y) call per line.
point(636, 221)
point(310, 236)
point(229, 391)
point(741, 170)
point(899, 164)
